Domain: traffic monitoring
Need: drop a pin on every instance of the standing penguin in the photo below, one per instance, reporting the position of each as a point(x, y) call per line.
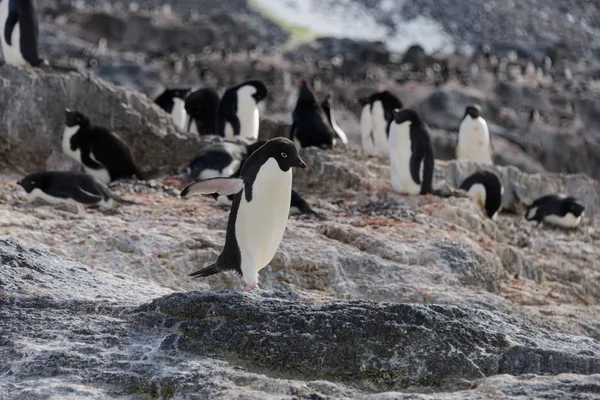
point(474, 141)
point(366, 127)
point(383, 105)
point(104, 155)
point(556, 209)
point(238, 113)
point(19, 32)
point(310, 126)
point(411, 154)
point(173, 102)
point(326, 106)
point(202, 107)
point(260, 209)
point(486, 189)
point(69, 188)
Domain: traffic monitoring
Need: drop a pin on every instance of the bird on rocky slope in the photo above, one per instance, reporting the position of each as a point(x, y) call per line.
point(260, 209)
point(19, 32)
point(310, 126)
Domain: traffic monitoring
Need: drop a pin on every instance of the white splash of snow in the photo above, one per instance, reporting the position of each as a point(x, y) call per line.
point(348, 19)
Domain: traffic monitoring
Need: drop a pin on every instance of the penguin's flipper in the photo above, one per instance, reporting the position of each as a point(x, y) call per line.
point(223, 186)
point(29, 38)
point(235, 125)
point(11, 22)
point(208, 271)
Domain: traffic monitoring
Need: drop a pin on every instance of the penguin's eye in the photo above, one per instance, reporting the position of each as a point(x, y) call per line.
point(284, 155)
point(33, 182)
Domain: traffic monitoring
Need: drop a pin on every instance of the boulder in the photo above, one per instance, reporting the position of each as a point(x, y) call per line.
point(32, 104)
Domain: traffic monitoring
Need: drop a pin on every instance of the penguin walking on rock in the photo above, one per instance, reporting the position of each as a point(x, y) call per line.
point(202, 107)
point(260, 209)
point(411, 154)
point(238, 113)
point(474, 140)
point(310, 126)
point(69, 188)
point(103, 155)
point(326, 106)
point(19, 32)
point(173, 102)
point(383, 105)
point(556, 209)
point(486, 189)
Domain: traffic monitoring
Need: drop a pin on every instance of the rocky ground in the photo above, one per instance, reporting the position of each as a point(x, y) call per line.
point(388, 297)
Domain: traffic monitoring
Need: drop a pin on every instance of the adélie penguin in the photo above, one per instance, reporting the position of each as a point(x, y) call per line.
point(103, 155)
point(486, 189)
point(19, 32)
point(556, 209)
point(383, 105)
point(474, 141)
point(310, 126)
point(173, 102)
point(366, 127)
point(238, 113)
point(202, 106)
point(326, 106)
point(69, 188)
point(260, 209)
point(411, 154)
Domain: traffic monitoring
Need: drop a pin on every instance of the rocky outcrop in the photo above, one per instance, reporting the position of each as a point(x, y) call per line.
point(256, 345)
point(32, 104)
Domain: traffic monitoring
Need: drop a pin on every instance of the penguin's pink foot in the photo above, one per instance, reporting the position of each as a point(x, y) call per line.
point(248, 286)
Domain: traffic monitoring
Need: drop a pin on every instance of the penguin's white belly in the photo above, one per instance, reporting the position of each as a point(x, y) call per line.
point(179, 114)
point(474, 143)
point(193, 126)
point(478, 193)
point(400, 154)
point(568, 221)
point(379, 128)
point(249, 117)
point(66, 143)
point(101, 175)
point(12, 54)
point(365, 130)
point(39, 194)
point(228, 130)
point(260, 224)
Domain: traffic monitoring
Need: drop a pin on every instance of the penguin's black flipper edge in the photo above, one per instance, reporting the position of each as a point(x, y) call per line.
point(224, 186)
point(11, 22)
point(208, 271)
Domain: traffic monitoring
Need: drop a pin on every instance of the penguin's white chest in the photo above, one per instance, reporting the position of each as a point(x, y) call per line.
point(12, 54)
point(68, 133)
point(400, 155)
point(101, 174)
point(366, 127)
point(474, 141)
point(179, 114)
point(248, 116)
point(568, 221)
point(479, 194)
point(379, 124)
point(39, 194)
point(260, 223)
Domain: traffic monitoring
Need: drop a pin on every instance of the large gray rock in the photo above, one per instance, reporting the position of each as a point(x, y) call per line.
point(32, 105)
point(71, 331)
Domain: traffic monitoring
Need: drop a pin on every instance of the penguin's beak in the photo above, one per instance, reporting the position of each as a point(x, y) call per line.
point(300, 164)
point(20, 183)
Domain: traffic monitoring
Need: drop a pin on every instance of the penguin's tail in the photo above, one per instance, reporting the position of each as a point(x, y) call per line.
point(208, 271)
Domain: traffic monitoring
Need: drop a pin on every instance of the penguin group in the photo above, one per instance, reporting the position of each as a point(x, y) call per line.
point(253, 177)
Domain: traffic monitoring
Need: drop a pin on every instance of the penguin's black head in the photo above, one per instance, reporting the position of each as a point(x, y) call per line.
point(31, 182)
point(202, 102)
point(180, 93)
point(474, 111)
point(261, 90)
point(389, 101)
point(75, 118)
point(284, 151)
point(306, 95)
point(571, 205)
point(406, 114)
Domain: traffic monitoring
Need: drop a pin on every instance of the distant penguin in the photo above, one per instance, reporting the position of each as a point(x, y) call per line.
point(486, 189)
point(260, 210)
point(411, 154)
point(103, 155)
point(202, 107)
point(19, 32)
point(558, 210)
point(238, 113)
point(173, 102)
point(474, 141)
point(383, 105)
point(326, 106)
point(366, 127)
point(310, 126)
point(69, 188)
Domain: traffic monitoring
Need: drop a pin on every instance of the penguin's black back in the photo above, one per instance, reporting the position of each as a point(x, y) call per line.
point(202, 106)
point(227, 112)
point(67, 185)
point(310, 123)
point(421, 152)
point(492, 186)
point(218, 156)
point(24, 13)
